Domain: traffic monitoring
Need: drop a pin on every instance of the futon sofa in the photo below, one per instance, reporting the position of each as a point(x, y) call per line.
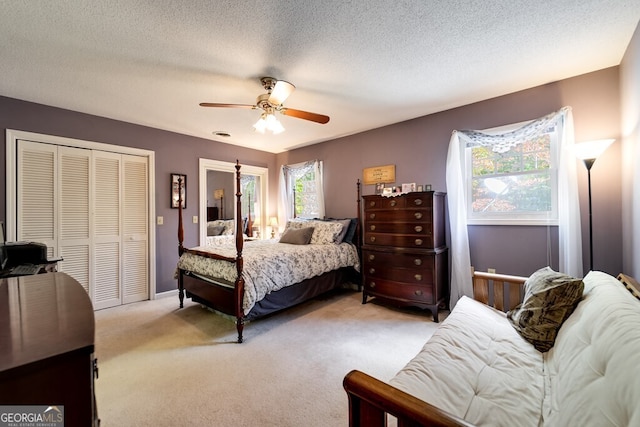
point(479, 368)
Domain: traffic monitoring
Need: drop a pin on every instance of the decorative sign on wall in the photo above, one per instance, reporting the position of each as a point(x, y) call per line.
point(379, 174)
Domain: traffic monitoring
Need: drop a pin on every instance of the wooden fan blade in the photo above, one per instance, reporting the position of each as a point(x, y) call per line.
point(305, 115)
point(213, 104)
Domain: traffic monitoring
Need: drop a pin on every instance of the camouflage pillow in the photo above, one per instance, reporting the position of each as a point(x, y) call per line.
point(550, 298)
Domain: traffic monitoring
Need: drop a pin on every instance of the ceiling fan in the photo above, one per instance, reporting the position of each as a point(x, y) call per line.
point(277, 92)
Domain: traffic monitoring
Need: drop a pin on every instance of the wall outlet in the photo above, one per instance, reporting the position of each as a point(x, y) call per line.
point(160, 220)
point(195, 219)
point(491, 270)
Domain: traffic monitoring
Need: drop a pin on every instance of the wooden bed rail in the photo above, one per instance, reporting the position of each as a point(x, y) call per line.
point(500, 291)
point(370, 400)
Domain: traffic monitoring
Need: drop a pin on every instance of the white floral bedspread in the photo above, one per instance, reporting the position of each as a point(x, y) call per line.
point(269, 265)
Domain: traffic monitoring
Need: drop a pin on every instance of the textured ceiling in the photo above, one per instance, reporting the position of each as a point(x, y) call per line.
point(364, 63)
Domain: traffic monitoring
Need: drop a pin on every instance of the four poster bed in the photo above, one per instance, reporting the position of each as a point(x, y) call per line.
point(252, 279)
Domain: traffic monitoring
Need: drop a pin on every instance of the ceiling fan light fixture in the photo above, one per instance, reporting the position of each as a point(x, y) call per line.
point(268, 122)
point(280, 92)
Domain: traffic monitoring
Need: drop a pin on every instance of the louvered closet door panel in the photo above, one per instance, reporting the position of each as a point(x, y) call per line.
point(74, 220)
point(135, 215)
point(107, 289)
point(36, 208)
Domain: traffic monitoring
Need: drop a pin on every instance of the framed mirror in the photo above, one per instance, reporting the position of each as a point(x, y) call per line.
point(217, 196)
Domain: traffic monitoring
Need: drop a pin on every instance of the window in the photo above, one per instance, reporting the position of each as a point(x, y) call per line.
point(301, 190)
point(514, 183)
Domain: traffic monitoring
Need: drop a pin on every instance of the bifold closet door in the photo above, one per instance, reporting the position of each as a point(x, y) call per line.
point(135, 237)
point(36, 202)
point(74, 214)
point(89, 207)
point(107, 272)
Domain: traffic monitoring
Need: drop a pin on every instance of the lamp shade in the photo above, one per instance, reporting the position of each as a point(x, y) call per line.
point(591, 149)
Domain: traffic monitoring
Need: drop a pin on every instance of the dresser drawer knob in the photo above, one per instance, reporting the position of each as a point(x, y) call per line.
point(418, 277)
point(417, 261)
point(418, 228)
point(418, 292)
point(418, 202)
point(372, 216)
point(372, 284)
point(418, 215)
point(372, 257)
point(372, 271)
point(372, 203)
point(372, 228)
point(372, 238)
point(418, 242)
point(393, 203)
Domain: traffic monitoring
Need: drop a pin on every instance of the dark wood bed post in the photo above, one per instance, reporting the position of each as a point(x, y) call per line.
point(180, 240)
point(359, 234)
point(239, 287)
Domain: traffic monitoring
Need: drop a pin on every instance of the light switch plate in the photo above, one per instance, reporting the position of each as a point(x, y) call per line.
point(195, 219)
point(160, 220)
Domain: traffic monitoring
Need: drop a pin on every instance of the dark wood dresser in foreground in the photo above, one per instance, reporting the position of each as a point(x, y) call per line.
point(404, 250)
point(47, 330)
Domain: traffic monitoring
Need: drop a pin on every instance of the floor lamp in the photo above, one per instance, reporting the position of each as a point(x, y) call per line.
point(588, 152)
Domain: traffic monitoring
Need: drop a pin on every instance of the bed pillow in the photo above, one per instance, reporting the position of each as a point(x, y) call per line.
point(324, 232)
point(214, 230)
point(348, 231)
point(549, 299)
point(297, 236)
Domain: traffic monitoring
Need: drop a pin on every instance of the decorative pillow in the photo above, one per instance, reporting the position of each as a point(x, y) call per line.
point(324, 232)
point(297, 236)
point(550, 298)
point(214, 230)
point(229, 226)
point(631, 285)
point(348, 230)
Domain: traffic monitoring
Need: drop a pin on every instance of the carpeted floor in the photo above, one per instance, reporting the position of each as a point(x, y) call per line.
point(164, 366)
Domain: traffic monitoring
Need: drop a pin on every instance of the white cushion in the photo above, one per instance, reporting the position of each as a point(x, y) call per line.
point(477, 367)
point(593, 371)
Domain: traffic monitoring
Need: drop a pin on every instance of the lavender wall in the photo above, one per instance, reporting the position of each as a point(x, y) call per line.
point(418, 148)
point(173, 153)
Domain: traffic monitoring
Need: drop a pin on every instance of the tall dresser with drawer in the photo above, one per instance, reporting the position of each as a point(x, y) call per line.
point(404, 250)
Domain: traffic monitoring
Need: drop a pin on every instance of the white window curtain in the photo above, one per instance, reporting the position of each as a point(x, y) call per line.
point(288, 174)
point(569, 229)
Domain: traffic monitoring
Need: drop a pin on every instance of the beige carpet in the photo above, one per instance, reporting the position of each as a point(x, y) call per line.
point(164, 366)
